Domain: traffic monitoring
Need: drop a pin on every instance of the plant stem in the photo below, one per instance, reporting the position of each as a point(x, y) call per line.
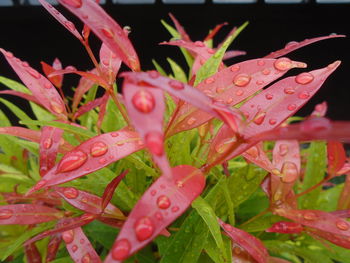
point(119, 105)
point(312, 188)
point(255, 217)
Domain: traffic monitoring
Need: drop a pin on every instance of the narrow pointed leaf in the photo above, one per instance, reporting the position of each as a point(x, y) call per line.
point(180, 28)
point(160, 205)
point(32, 253)
point(21, 95)
point(213, 32)
point(285, 227)
point(233, 53)
point(90, 106)
point(60, 18)
point(84, 85)
point(344, 199)
point(106, 29)
point(41, 88)
point(336, 157)
point(257, 155)
point(339, 240)
point(109, 63)
point(53, 246)
point(291, 46)
point(248, 242)
point(55, 80)
point(49, 144)
point(92, 155)
point(27, 214)
point(79, 246)
point(110, 188)
point(320, 110)
point(146, 108)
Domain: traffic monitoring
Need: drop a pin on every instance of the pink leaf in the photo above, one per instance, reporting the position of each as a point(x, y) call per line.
point(49, 144)
point(159, 206)
point(110, 63)
point(257, 155)
point(248, 242)
point(106, 29)
point(90, 156)
point(56, 80)
point(146, 108)
point(291, 46)
point(179, 28)
point(79, 246)
point(336, 157)
point(320, 110)
point(53, 246)
point(344, 198)
point(84, 85)
point(87, 202)
point(339, 240)
point(32, 253)
point(21, 94)
point(41, 88)
point(285, 227)
point(27, 214)
point(233, 53)
point(89, 106)
point(60, 18)
point(110, 188)
point(213, 32)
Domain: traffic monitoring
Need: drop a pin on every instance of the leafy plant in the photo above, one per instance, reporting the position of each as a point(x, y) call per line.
point(100, 177)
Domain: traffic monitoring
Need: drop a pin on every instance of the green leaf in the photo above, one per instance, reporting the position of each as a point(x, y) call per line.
point(41, 113)
point(103, 234)
point(4, 121)
point(159, 68)
point(314, 172)
point(327, 200)
point(230, 207)
point(208, 215)
point(14, 85)
point(179, 74)
point(215, 254)
point(113, 119)
point(211, 66)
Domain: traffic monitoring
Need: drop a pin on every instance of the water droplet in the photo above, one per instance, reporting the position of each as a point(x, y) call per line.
point(98, 149)
point(191, 121)
point(71, 161)
point(283, 149)
point(143, 101)
point(237, 250)
point(290, 172)
point(163, 202)
point(159, 216)
point(154, 142)
point(153, 74)
point(304, 95)
point(74, 248)
point(228, 227)
point(57, 106)
point(102, 161)
point(260, 82)
point(177, 85)
point(211, 51)
point(162, 186)
point(6, 213)
point(47, 143)
point(179, 183)
point(82, 241)
point(291, 107)
point(266, 71)
point(144, 228)
point(114, 134)
point(261, 63)
point(229, 100)
point(71, 193)
point(73, 3)
point(68, 236)
point(107, 32)
point(310, 216)
point(86, 258)
point(174, 209)
point(253, 152)
point(304, 78)
point(283, 64)
point(47, 85)
point(69, 25)
point(289, 90)
point(269, 96)
point(241, 80)
point(209, 81)
point(272, 121)
point(121, 249)
point(34, 73)
point(199, 44)
point(259, 118)
point(239, 92)
point(234, 68)
point(342, 225)
point(291, 44)
point(153, 192)
point(40, 184)
point(8, 54)
point(25, 64)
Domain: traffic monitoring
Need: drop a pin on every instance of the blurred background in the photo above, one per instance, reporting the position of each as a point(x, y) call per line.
point(27, 30)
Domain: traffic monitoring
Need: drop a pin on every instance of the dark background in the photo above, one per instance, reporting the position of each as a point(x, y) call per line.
point(33, 35)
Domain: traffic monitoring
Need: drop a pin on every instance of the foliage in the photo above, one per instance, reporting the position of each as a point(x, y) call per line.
point(209, 165)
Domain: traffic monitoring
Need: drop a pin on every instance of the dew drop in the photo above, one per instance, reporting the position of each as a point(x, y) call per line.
point(228, 227)
point(107, 32)
point(260, 82)
point(191, 121)
point(241, 80)
point(289, 90)
point(81, 241)
point(74, 248)
point(153, 192)
point(174, 209)
point(209, 81)
point(71, 161)
point(102, 161)
point(114, 134)
point(304, 78)
point(144, 228)
point(291, 44)
point(47, 143)
point(68, 236)
point(235, 68)
point(239, 92)
point(86, 258)
point(47, 85)
point(73, 3)
point(143, 101)
point(283, 149)
point(304, 95)
point(261, 63)
point(179, 183)
point(40, 184)
point(176, 85)
point(121, 249)
point(220, 90)
point(272, 121)
point(25, 64)
point(211, 51)
point(310, 216)
point(163, 202)
point(266, 71)
point(57, 107)
point(259, 118)
point(159, 216)
point(229, 100)
point(199, 44)
point(154, 142)
point(269, 96)
point(33, 73)
point(342, 225)
point(71, 193)
point(290, 172)
point(8, 54)
point(98, 149)
point(291, 107)
point(153, 74)
point(105, 62)
point(69, 25)
point(283, 64)
point(6, 213)
point(253, 152)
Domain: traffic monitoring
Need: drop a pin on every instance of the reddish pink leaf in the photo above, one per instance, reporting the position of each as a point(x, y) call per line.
point(84, 85)
point(291, 46)
point(41, 88)
point(336, 157)
point(90, 156)
point(60, 18)
point(257, 155)
point(32, 254)
point(233, 53)
point(344, 199)
point(49, 144)
point(320, 110)
point(102, 111)
point(110, 188)
point(87, 202)
point(33, 136)
point(27, 214)
point(146, 108)
point(53, 246)
point(180, 28)
point(285, 228)
point(248, 242)
point(79, 246)
point(64, 224)
point(106, 29)
point(342, 213)
point(109, 63)
point(45, 198)
point(213, 32)
point(317, 219)
point(21, 94)
point(56, 80)
point(90, 105)
point(159, 206)
point(339, 240)
point(116, 223)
